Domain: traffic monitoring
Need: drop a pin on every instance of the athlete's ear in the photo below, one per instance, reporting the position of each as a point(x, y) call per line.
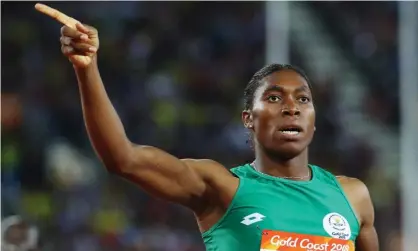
point(247, 119)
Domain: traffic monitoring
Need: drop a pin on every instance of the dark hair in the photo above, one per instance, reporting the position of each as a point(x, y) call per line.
point(255, 81)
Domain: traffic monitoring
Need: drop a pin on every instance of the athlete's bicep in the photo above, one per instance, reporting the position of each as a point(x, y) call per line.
point(165, 176)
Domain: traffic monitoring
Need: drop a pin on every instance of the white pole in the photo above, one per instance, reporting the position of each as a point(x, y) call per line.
point(408, 59)
point(277, 32)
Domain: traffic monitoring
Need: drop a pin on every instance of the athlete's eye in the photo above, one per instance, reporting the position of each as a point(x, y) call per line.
point(273, 98)
point(304, 100)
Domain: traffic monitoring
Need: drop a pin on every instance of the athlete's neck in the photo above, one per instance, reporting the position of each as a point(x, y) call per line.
point(295, 167)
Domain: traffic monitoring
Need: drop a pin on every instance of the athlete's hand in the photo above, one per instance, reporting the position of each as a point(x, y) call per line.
point(79, 42)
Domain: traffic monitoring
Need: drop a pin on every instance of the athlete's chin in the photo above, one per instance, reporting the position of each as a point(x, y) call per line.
point(288, 150)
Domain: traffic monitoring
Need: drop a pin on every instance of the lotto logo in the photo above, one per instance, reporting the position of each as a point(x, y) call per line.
point(252, 218)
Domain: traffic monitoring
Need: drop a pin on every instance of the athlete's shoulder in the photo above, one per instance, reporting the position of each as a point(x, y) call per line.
point(326, 174)
point(359, 196)
point(353, 185)
point(239, 167)
point(240, 170)
point(202, 163)
point(323, 174)
point(338, 181)
point(207, 168)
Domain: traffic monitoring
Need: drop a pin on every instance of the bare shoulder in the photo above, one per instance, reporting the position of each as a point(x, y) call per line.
point(352, 184)
point(359, 197)
point(202, 163)
point(207, 168)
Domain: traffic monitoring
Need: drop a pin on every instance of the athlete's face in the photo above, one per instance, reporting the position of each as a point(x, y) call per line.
point(282, 118)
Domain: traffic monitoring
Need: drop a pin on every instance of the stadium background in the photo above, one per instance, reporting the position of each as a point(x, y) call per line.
point(175, 72)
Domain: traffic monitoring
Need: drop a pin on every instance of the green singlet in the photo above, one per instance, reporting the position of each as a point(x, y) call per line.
point(270, 213)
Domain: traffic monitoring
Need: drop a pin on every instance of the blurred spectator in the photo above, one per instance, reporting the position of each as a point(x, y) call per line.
point(18, 235)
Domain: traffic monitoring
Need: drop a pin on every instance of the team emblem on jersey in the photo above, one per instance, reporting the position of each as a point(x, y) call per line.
point(337, 226)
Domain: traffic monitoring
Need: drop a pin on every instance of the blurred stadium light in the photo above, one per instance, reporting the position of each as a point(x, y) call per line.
point(277, 32)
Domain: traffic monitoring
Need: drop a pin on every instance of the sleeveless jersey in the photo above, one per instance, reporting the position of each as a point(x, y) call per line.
point(270, 213)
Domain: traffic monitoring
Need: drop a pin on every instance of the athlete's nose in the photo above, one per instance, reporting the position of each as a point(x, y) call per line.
point(290, 107)
point(291, 111)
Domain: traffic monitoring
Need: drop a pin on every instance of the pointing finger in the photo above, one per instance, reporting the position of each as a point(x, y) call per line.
point(57, 15)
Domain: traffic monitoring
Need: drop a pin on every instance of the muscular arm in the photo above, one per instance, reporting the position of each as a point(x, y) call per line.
point(157, 172)
point(188, 182)
point(359, 197)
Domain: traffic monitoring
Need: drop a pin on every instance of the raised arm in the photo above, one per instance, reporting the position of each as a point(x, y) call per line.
point(182, 181)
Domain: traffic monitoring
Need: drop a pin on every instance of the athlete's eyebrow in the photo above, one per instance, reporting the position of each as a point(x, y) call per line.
point(274, 88)
point(302, 88)
point(278, 88)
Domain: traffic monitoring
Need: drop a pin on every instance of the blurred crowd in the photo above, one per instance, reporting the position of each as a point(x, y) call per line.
point(175, 73)
point(367, 33)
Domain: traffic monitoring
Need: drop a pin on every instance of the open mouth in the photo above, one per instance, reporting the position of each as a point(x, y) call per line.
point(291, 130)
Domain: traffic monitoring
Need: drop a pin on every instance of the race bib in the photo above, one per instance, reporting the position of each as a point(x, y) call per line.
point(284, 241)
